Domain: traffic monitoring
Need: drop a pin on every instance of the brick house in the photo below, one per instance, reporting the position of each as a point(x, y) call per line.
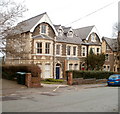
point(110, 48)
point(54, 48)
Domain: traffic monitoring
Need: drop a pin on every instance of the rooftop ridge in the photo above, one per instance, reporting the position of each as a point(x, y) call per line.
point(32, 18)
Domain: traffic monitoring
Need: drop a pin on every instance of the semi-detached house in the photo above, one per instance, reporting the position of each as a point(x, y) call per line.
point(55, 48)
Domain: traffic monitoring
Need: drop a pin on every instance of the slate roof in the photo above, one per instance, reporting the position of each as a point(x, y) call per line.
point(83, 32)
point(42, 36)
point(28, 24)
point(113, 43)
point(74, 40)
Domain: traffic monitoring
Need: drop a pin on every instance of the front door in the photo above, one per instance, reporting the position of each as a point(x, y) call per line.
point(57, 72)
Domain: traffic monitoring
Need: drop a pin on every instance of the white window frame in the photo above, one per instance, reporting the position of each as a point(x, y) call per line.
point(93, 37)
point(47, 47)
point(39, 48)
point(69, 53)
point(75, 50)
point(83, 51)
point(60, 50)
point(70, 34)
point(43, 29)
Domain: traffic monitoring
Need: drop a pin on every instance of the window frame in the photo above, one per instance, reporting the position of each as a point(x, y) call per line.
point(58, 50)
point(74, 51)
point(68, 50)
point(47, 47)
point(43, 29)
point(39, 47)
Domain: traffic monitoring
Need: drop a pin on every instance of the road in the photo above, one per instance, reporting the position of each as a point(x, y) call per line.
point(68, 99)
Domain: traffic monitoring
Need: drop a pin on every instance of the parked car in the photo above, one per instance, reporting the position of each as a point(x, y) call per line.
point(114, 80)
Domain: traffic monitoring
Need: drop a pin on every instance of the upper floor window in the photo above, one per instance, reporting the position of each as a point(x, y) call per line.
point(74, 51)
point(98, 50)
point(107, 57)
point(57, 49)
point(93, 37)
point(43, 28)
point(68, 50)
point(60, 32)
point(47, 48)
point(83, 51)
point(70, 34)
point(39, 47)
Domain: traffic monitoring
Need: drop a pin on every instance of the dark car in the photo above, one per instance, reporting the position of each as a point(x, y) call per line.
point(114, 80)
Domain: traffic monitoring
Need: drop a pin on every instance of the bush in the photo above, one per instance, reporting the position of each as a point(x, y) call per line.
point(54, 80)
point(90, 74)
point(9, 71)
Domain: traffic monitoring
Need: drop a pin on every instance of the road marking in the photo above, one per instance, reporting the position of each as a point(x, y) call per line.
point(56, 88)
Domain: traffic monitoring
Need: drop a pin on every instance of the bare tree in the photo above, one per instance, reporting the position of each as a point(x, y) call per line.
point(9, 14)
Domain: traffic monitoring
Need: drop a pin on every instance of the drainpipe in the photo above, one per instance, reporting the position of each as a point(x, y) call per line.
point(54, 42)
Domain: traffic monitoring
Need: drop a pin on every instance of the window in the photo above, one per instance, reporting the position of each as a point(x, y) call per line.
point(68, 50)
point(60, 32)
point(39, 47)
point(104, 68)
point(74, 51)
point(107, 57)
point(108, 68)
point(70, 66)
point(70, 34)
point(76, 67)
point(47, 48)
point(83, 51)
point(98, 50)
point(57, 49)
point(43, 29)
point(93, 49)
point(93, 37)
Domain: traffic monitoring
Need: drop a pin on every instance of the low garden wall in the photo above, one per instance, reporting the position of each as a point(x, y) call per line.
point(77, 81)
point(87, 77)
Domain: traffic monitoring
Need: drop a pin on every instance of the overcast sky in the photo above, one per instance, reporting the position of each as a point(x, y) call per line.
point(66, 11)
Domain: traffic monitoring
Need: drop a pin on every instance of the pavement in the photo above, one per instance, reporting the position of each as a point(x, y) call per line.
point(12, 88)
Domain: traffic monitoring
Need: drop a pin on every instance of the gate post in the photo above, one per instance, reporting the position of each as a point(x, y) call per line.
point(70, 78)
point(28, 79)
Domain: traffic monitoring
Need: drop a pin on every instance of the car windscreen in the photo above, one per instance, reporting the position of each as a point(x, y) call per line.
point(113, 77)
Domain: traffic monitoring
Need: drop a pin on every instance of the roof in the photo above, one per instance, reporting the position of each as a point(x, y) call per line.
point(27, 25)
point(113, 43)
point(42, 36)
point(73, 40)
point(83, 32)
point(66, 29)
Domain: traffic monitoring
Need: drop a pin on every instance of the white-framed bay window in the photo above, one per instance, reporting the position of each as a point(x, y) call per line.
point(39, 47)
point(43, 48)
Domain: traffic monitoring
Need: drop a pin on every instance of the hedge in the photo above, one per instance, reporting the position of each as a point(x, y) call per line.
point(9, 71)
point(90, 74)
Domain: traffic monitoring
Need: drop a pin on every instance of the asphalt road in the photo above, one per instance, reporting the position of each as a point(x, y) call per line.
point(68, 99)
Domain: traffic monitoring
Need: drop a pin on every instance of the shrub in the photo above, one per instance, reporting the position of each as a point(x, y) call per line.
point(90, 74)
point(54, 80)
point(9, 71)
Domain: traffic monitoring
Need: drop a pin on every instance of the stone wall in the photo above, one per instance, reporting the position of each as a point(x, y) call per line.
point(77, 81)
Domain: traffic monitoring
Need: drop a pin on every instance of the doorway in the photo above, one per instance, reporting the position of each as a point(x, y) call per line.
point(57, 71)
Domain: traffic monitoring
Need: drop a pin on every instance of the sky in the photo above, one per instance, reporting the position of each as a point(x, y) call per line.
point(65, 12)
